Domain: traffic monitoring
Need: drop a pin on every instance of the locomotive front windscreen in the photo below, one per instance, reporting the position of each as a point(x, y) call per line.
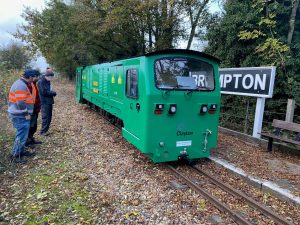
point(184, 74)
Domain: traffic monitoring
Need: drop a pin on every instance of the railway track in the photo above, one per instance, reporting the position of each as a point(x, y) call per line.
point(236, 216)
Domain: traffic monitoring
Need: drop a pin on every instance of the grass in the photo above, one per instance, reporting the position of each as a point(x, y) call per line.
point(54, 196)
point(6, 142)
point(7, 78)
point(49, 189)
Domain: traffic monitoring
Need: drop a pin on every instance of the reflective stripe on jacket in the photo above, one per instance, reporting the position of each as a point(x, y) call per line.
point(37, 103)
point(21, 100)
point(33, 92)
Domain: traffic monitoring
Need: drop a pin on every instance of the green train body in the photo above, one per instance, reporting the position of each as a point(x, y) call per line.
point(168, 101)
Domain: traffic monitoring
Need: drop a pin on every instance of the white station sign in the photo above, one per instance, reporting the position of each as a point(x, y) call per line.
point(248, 81)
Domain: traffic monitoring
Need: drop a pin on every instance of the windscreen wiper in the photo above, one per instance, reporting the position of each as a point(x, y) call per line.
point(196, 89)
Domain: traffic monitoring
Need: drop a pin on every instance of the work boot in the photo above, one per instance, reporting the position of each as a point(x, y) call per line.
point(17, 159)
point(27, 154)
point(28, 142)
point(35, 142)
point(45, 133)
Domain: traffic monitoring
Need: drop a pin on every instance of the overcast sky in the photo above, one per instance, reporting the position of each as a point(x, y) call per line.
point(10, 17)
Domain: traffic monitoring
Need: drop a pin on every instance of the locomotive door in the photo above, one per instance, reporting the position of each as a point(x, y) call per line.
point(133, 106)
point(79, 85)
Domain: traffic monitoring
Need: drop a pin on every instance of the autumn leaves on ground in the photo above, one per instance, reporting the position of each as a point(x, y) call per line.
point(86, 173)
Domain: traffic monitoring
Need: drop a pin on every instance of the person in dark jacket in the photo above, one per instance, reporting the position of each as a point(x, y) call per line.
point(47, 100)
point(36, 109)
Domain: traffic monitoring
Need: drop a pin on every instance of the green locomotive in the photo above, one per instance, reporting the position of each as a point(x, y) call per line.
point(168, 101)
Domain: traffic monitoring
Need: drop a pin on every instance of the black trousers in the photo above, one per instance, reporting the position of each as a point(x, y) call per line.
point(46, 117)
point(33, 124)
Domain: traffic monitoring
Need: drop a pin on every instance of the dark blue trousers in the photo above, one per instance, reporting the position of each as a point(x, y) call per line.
point(46, 117)
point(33, 125)
point(22, 128)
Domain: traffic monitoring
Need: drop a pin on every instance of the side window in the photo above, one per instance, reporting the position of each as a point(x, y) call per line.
point(131, 83)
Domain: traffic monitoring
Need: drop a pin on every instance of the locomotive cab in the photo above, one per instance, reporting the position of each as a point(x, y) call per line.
point(183, 106)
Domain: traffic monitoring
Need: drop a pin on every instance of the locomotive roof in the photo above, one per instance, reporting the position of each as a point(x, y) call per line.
point(184, 51)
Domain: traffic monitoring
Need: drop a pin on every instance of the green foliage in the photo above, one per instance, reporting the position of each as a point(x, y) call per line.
point(14, 56)
point(248, 35)
point(52, 33)
point(255, 33)
point(222, 35)
point(258, 34)
point(7, 78)
point(271, 48)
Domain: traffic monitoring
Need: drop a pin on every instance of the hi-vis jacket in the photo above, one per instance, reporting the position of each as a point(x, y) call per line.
point(21, 100)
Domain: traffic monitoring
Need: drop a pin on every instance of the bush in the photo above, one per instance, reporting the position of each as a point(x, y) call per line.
point(7, 78)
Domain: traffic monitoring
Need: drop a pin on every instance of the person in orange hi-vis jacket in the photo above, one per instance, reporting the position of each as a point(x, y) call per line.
point(31, 141)
point(20, 108)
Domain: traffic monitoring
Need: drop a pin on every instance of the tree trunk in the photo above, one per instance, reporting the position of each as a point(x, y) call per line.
point(143, 42)
point(295, 4)
point(150, 38)
point(194, 23)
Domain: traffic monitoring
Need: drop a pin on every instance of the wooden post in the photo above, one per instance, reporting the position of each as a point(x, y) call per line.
point(290, 110)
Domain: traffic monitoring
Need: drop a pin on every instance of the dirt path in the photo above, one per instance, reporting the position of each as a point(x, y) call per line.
point(86, 173)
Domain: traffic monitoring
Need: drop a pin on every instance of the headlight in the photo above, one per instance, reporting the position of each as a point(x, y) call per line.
point(172, 109)
point(204, 109)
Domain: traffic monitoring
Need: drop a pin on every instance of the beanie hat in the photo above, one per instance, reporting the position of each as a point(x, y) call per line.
point(31, 73)
point(49, 73)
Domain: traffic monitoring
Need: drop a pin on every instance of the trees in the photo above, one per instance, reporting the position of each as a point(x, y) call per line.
point(52, 33)
point(94, 31)
point(14, 56)
point(260, 33)
point(277, 42)
point(222, 35)
point(195, 9)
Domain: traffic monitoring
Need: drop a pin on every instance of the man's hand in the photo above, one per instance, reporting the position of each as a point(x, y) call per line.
point(28, 117)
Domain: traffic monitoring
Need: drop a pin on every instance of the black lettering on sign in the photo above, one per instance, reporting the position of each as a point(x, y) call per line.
point(252, 81)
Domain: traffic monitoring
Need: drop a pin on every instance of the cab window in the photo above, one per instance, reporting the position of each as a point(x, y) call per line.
point(184, 74)
point(131, 83)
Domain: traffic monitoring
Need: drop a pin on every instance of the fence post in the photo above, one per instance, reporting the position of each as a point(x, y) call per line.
point(290, 110)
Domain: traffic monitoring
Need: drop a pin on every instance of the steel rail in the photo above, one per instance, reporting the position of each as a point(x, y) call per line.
point(221, 206)
point(266, 211)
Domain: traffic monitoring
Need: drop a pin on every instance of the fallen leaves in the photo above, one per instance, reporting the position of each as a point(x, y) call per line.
point(86, 173)
point(257, 162)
